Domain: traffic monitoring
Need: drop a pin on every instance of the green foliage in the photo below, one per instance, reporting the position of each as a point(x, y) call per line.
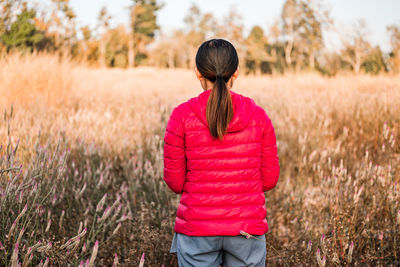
point(117, 48)
point(143, 26)
point(145, 21)
point(375, 63)
point(23, 34)
point(257, 55)
point(277, 49)
point(257, 34)
point(295, 41)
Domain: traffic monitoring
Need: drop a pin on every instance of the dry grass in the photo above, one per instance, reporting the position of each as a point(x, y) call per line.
point(338, 140)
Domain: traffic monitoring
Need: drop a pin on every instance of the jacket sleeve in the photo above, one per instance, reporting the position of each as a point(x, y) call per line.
point(174, 153)
point(269, 157)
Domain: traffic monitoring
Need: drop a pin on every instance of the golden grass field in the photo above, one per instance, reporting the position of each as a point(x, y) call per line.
point(337, 202)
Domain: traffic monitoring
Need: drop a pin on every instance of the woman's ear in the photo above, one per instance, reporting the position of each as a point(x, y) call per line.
point(198, 74)
point(236, 73)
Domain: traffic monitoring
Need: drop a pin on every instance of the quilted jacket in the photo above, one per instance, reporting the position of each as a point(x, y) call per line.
point(222, 182)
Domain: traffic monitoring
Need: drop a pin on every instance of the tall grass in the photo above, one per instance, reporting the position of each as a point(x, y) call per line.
point(81, 164)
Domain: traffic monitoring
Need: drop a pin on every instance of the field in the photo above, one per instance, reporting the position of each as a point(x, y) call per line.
point(81, 161)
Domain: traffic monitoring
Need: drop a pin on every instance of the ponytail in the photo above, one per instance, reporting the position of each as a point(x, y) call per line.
point(217, 60)
point(219, 110)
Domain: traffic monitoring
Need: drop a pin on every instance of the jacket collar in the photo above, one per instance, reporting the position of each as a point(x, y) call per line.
point(243, 109)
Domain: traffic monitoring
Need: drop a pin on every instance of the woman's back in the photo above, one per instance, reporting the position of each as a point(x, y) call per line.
point(220, 153)
point(221, 181)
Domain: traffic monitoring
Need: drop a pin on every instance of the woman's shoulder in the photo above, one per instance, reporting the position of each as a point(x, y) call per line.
point(260, 111)
point(182, 106)
point(180, 110)
point(259, 114)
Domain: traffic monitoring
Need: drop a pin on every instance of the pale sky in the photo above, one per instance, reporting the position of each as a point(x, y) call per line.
point(377, 13)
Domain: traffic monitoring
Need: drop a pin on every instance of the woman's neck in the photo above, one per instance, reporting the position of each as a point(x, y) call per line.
point(208, 85)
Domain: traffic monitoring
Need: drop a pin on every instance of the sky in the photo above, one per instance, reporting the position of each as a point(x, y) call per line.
point(377, 13)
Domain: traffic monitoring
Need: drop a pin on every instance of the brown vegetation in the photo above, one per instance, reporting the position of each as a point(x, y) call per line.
point(82, 133)
point(294, 42)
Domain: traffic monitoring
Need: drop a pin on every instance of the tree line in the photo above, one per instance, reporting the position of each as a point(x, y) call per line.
point(295, 41)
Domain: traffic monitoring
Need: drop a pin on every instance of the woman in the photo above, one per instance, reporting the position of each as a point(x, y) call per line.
point(220, 153)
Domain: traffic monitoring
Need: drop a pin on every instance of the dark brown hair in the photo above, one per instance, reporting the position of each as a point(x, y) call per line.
point(217, 61)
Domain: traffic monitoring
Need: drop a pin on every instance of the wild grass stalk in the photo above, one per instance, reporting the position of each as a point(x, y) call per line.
point(81, 164)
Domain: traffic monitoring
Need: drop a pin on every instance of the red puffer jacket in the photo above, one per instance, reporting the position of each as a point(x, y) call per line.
point(222, 182)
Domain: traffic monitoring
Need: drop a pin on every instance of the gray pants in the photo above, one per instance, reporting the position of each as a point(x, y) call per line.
point(212, 251)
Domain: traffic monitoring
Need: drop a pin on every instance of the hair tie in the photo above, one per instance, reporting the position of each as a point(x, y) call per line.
point(219, 75)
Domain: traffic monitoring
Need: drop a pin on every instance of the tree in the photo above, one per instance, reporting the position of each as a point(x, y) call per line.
point(199, 27)
point(394, 59)
point(117, 47)
point(85, 50)
point(232, 29)
point(103, 26)
point(256, 53)
point(374, 63)
point(57, 20)
point(329, 64)
point(291, 21)
point(22, 33)
point(315, 18)
point(8, 11)
point(275, 31)
point(276, 48)
point(143, 27)
point(63, 25)
point(168, 53)
point(303, 22)
point(356, 47)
